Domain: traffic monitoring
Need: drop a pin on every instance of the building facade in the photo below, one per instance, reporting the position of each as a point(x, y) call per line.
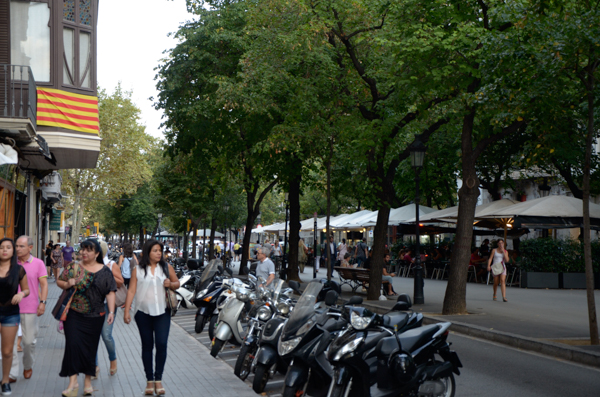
point(48, 107)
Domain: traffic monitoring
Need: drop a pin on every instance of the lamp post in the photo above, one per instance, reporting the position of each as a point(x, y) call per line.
point(227, 235)
point(158, 228)
point(257, 224)
point(285, 238)
point(417, 153)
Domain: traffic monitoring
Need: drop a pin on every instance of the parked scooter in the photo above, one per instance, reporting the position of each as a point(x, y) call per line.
point(304, 339)
point(406, 363)
point(187, 286)
point(268, 361)
point(352, 353)
point(207, 292)
point(233, 319)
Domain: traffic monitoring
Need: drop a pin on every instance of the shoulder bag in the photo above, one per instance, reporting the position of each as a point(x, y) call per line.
point(497, 268)
point(64, 300)
point(172, 302)
point(121, 293)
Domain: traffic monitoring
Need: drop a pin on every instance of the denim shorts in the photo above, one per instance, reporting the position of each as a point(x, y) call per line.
point(11, 320)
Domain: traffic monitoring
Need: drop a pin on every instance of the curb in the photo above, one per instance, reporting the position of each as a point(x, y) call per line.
point(547, 348)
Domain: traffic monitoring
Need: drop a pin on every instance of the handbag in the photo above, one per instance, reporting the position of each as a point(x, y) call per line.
point(172, 302)
point(498, 268)
point(64, 300)
point(121, 296)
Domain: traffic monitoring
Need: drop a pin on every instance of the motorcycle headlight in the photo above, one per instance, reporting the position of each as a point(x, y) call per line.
point(283, 308)
point(348, 348)
point(286, 347)
point(242, 296)
point(359, 322)
point(202, 293)
point(263, 313)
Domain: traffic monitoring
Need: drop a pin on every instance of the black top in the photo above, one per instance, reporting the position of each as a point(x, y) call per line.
point(8, 289)
point(91, 290)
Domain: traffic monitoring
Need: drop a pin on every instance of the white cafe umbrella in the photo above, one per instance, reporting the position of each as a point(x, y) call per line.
point(402, 215)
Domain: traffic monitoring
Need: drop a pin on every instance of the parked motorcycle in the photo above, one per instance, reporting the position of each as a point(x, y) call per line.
point(407, 363)
point(268, 361)
point(304, 339)
point(207, 292)
point(352, 353)
point(187, 286)
point(233, 319)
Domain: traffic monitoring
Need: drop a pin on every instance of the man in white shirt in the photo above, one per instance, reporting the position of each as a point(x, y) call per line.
point(266, 267)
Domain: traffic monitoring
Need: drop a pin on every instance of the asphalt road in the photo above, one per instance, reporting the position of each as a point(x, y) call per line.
point(494, 370)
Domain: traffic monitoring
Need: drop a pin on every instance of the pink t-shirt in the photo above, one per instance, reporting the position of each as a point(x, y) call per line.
point(35, 270)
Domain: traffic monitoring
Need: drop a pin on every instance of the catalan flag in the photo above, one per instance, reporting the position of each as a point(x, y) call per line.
point(58, 108)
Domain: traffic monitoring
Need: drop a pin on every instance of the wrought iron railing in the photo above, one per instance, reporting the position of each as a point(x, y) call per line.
point(18, 92)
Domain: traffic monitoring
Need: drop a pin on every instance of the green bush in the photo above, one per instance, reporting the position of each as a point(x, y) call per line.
point(556, 256)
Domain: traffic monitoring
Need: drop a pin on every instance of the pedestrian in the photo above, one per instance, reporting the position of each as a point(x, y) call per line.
point(34, 305)
point(342, 250)
point(302, 255)
point(57, 260)
point(67, 251)
point(333, 251)
point(107, 328)
point(361, 252)
point(266, 268)
point(93, 283)
point(48, 252)
point(496, 264)
point(126, 263)
point(149, 280)
point(237, 251)
point(12, 276)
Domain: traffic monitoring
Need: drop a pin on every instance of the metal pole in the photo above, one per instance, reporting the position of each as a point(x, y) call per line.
point(418, 297)
point(315, 248)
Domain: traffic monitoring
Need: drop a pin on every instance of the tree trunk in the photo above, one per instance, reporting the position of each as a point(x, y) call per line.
point(455, 301)
point(185, 242)
point(587, 248)
point(142, 236)
point(194, 239)
point(380, 235)
point(213, 227)
point(328, 230)
point(76, 220)
point(294, 226)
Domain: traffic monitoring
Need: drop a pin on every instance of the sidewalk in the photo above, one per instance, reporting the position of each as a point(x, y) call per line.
point(532, 319)
point(190, 370)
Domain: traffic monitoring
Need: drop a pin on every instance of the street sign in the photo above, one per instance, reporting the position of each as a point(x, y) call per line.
point(55, 219)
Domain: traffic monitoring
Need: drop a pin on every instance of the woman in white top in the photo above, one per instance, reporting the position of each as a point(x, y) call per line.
point(496, 264)
point(149, 280)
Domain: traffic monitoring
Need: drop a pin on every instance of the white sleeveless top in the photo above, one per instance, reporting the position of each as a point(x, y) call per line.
point(498, 257)
point(150, 293)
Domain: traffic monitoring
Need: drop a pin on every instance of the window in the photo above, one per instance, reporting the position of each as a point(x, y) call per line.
point(77, 43)
point(30, 37)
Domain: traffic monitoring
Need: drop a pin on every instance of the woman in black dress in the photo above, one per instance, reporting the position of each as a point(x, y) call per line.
point(93, 283)
point(12, 275)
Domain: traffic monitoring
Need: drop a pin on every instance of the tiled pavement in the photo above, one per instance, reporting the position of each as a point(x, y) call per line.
point(190, 370)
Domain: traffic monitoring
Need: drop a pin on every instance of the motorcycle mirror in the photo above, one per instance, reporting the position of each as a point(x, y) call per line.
point(331, 298)
point(229, 271)
point(355, 300)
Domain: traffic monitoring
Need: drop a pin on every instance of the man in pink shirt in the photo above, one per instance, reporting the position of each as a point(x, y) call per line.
point(34, 305)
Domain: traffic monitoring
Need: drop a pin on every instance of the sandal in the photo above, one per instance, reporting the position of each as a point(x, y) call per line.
point(97, 373)
point(149, 389)
point(88, 391)
point(113, 370)
point(494, 298)
point(160, 391)
point(71, 392)
point(504, 299)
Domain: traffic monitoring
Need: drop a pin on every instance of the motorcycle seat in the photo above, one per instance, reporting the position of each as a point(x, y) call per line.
point(412, 339)
point(395, 319)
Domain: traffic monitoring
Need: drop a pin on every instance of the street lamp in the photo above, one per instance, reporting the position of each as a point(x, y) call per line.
point(285, 239)
point(159, 219)
point(417, 154)
point(227, 235)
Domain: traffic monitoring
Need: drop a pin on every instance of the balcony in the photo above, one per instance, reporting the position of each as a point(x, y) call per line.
point(18, 103)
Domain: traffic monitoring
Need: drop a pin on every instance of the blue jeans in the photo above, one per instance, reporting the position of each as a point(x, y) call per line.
point(108, 339)
point(154, 331)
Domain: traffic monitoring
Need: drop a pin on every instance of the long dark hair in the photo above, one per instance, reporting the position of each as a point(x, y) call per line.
point(127, 250)
point(13, 270)
point(94, 245)
point(145, 261)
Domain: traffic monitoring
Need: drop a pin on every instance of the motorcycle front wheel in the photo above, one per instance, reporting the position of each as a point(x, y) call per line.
point(341, 390)
point(244, 361)
point(261, 378)
point(216, 347)
point(200, 322)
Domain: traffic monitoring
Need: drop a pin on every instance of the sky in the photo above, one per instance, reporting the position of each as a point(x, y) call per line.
point(132, 35)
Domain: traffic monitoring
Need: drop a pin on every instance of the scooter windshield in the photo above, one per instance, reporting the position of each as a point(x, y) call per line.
point(303, 310)
point(208, 274)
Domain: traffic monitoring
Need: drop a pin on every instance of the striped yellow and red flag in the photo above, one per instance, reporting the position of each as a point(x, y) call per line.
point(58, 108)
